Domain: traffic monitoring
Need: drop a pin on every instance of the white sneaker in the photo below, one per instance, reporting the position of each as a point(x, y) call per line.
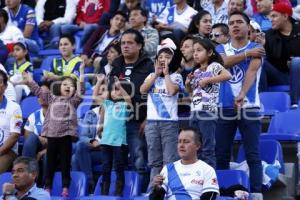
point(257, 196)
point(294, 106)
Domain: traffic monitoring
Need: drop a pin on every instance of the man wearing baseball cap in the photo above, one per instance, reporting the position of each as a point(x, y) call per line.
point(282, 65)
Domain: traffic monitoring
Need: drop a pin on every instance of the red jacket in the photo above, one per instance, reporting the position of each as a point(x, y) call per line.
point(90, 11)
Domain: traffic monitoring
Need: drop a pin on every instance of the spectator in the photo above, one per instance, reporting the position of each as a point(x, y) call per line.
point(220, 33)
point(218, 11)
point(138, 20)
point(24, 173)
point(68, 64)
point(241, 6)
point(255, 34)
point(96, 47)
point(10, 126)
point(114, 114)
point(134, 66)
point(203, 84)
point(10, 92)
point(22, 64)
point(180, 179)
point(23, 17)
point(162, 88)
point(239, 100)
point(34, 144)
point(187, 63)
point(264, 8)
point(128, 5)
point(201, 24)
point(50, 15)
point(282, 50)
point(156, 7)
point(88, 14)
point(60, 125)
point(8, 34)
point(175, 20)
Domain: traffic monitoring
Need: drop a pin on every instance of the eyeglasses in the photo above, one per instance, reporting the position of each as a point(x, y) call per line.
point(215, 35)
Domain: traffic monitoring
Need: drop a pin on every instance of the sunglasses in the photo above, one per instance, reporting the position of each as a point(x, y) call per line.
point(215, 35)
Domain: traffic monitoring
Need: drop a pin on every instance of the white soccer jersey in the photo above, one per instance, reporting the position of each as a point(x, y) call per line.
point(35, 122)
point(160, 104)
point(195, 179)
point(171, 17)
point(11, 120)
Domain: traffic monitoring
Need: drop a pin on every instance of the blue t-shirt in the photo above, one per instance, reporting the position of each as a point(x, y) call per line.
point(156, 7)
point(231, 89)
point(25, 15)
point(114, 131)
point(264, 22)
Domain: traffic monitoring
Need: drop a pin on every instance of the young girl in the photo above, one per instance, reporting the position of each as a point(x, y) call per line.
point(60, 124)
point(114, 115)
point(162, 87)
point(68, 64)
point(22, 64)
point(204, 84)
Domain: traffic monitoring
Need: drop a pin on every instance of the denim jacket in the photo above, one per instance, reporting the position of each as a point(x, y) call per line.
point(88, 129)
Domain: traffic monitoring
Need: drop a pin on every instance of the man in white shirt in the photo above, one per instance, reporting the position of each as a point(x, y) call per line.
point(10, 126)
point(187, 178)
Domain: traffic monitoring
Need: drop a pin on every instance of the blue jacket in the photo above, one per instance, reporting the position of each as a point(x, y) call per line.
point(88, 125)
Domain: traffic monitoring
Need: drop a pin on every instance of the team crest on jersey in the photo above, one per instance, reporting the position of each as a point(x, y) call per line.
point(128, 72)
point(237, 73)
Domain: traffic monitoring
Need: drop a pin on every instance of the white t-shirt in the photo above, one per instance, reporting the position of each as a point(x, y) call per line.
point(160, 104)
point(35, 122)
point(11, 34)
point(220, 15)
point(11, 120)
point(194, 180)
point(171, 17)
point(10, 92)
point(206, 99)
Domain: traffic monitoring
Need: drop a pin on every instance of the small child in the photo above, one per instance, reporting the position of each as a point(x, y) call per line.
point(204, 84)
point(60, 124)
point(113, 118)
point(22, 64)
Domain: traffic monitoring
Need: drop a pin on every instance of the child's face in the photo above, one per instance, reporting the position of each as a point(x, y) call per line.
point(116, 93)
point(164, 59)
point(112, 54)
point(200, 54)
point(65, 47)
point(67, 88)
point(19, 53)
point(131, 4)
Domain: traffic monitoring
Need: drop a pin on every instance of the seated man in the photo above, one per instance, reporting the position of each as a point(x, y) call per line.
point(187, 178)
point(282, 64)
point(24, 174)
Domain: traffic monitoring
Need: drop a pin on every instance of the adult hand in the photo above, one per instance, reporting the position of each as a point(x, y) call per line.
point(158, 180)
point(239, 101)
point(189, 78)
point(8, 188)
point(256, 52)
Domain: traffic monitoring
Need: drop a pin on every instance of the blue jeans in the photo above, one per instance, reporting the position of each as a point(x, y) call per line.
point(113, 154)
point(249, 126)
point(84, 158)
point(73, 28)
point(270, 75)
point(161, 137)
point(206, 124)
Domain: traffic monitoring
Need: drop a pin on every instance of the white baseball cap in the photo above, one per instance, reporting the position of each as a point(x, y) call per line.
point(166, 44)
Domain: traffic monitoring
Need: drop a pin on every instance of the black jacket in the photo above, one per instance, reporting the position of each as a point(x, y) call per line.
point(280, 49)
point(141, 69)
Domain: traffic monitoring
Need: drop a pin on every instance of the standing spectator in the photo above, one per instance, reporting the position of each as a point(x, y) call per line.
point(24, 174)
point(187, 63)
point(179, 180)
point(162, 88)
point(220, 33)
point(50, 15)
point(264, 8)
point(23, 17)
point(89, 13)
point(239, 100)
point(138, 21)
point(175, 20)
point(219, 11)
point(68, 64)
point(96, 46)
point(204, 84)
point(10, 126)
point(134, 66)
point(201, 24)
point(60, 125)
point(282, 50)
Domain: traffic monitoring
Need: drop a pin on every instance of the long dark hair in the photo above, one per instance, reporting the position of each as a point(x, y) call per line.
point(193, 29)
point(209, 46)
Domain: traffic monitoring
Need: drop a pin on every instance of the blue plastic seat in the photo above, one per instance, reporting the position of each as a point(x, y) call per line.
point(227, 178)
point(273, 102)
point(141, 198)
point(284, 127)
point(29, 105)
point(102, 197)
point(271, 151)
point(49, 52)
point(77, 187)
point(131, 187)
point(4, 178)
point(47, 62)
point(279, 88)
